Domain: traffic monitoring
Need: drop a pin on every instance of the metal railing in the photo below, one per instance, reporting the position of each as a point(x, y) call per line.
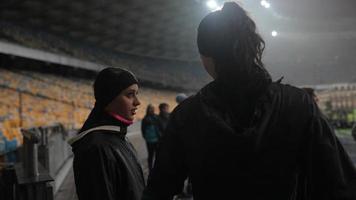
point(44, 152)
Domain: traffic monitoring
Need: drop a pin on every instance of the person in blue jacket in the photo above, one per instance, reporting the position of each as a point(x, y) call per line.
point(151, 133)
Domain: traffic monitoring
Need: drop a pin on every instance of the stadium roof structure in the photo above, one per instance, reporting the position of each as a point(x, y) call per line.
point(156, 28)
point(312, 41)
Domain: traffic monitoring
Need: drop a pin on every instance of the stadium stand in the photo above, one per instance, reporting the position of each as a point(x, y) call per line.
point(32, 99)
point(147, 69)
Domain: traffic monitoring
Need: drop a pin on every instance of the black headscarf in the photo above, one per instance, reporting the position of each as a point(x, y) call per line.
point(109, 83)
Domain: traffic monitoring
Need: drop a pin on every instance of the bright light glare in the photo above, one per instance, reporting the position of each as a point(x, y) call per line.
point(274, 33)
point(212, 4)
point(265, 4)
point(218, 8)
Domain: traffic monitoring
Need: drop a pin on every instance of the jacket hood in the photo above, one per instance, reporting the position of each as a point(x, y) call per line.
point(81, 135)
point(218, 109)
point(99, 120)
point(99, 117)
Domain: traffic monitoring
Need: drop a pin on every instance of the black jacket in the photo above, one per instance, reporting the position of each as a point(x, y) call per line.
point(105, 165)
point(288, 152)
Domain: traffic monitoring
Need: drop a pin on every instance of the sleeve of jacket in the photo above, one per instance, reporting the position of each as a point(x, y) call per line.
point(169, 172)
point(97, 177)
point(330, 173)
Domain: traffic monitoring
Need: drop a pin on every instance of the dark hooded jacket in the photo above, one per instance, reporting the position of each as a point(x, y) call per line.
point(288, 151)
point(105, 164)
point(163, 119)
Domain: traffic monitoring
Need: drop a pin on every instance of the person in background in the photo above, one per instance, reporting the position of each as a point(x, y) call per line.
point(105, 163)
point(243, 136)
point(151, 134)
point(163, 117)
point(180, 97)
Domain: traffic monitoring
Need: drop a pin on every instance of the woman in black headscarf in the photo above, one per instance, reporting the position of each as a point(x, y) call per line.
point(243, 136)
point(105, 164)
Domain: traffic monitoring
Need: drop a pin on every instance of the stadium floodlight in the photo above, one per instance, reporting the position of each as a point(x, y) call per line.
point(212, 5)
point(274, 33)
point(265, 4)
point(218, 8)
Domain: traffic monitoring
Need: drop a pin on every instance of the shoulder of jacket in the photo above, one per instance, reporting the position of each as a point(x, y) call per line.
point(95, 139)
point(287, 89)
point(187, 106)
point(296, 99)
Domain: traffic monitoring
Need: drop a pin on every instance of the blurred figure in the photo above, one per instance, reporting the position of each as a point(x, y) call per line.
point(180, 97)
point(163, 117)
point(105, 163)
point(243, 136)
point(150, 132)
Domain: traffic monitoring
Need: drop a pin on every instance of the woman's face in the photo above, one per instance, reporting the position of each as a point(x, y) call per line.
point(209, 65)
point(126, 103)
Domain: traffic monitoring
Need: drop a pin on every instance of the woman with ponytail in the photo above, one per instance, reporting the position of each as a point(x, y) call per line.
point(243, 136)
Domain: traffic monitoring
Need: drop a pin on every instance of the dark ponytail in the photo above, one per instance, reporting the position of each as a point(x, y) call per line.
point(230, 38)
